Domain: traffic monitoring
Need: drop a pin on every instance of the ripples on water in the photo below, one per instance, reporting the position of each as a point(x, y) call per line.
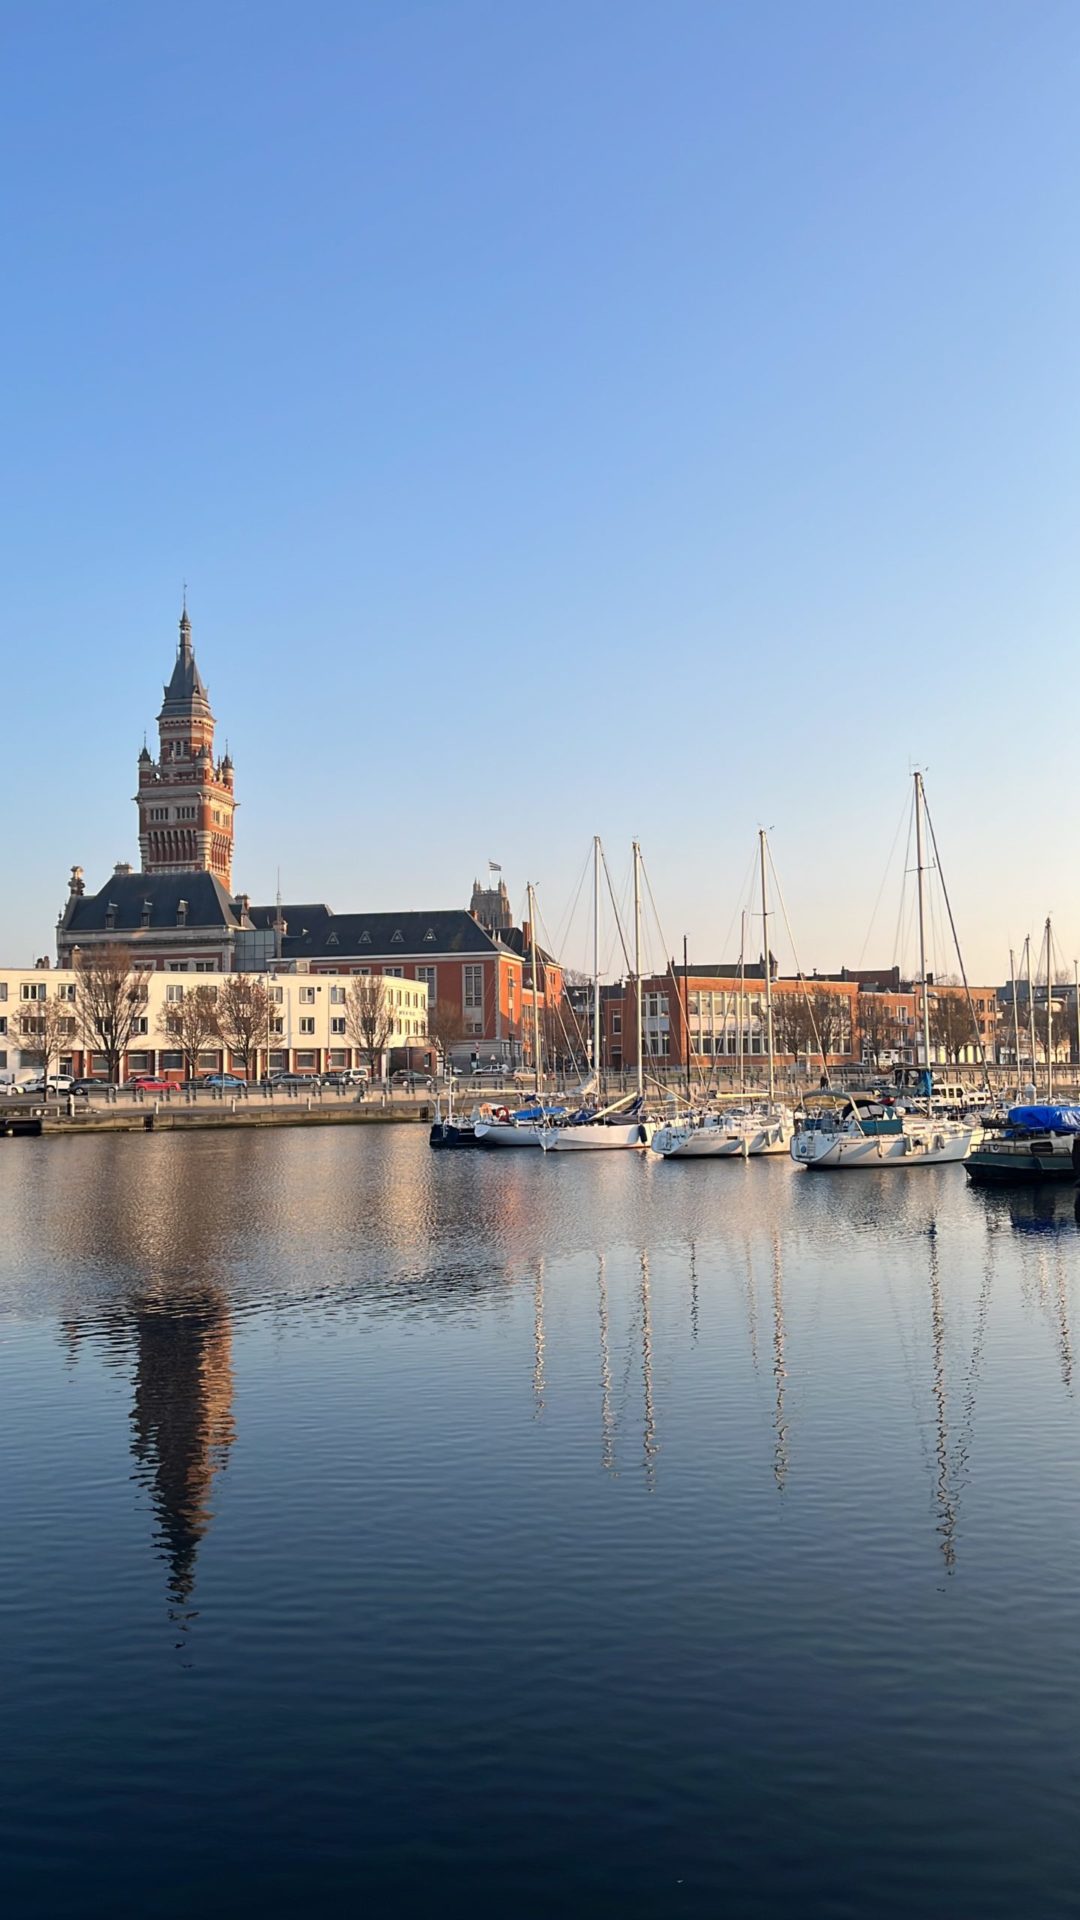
point(502, 1534)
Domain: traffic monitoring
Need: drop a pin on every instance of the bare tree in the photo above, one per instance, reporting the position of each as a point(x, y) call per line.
point(369, 1017)
point(793, 1027)
point(831, 1016)
point(877, 1024)
point(245, 1012)
point(44, 1028)
point(951, 1026)
point(191, 1023)
point(110, 1001)
point(446, 1028)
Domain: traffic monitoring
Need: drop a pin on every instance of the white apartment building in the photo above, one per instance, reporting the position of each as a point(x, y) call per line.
point(308, 1023)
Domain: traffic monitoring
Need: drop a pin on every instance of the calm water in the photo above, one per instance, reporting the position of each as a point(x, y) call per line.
point(434, 1534)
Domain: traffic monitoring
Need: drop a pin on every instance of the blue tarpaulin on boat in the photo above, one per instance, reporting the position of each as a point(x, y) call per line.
point(1046, 1119)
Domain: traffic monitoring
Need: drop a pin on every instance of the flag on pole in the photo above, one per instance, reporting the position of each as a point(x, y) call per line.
point(494, 867)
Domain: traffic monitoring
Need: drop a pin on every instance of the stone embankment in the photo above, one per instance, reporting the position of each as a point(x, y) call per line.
point(180, 1115)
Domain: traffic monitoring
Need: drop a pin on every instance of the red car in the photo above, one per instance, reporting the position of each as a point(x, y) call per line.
point(144, 1084)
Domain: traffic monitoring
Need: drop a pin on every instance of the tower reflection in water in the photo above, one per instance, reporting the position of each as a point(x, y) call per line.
point(168, 1311)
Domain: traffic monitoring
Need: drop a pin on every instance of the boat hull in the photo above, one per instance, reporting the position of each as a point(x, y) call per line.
point(593, 1137)
point(929, 1147)
point(503, 1133)
point(446, 1133)
point(987, 1168)
point(722, 1142)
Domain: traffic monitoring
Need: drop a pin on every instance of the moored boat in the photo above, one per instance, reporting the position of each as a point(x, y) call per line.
point(726, 1136)
point(1036, 1146)
point(862, 1130)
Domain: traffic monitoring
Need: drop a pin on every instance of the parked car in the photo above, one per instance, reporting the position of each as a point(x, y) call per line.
point(411, 1080)
point(348, 1077)
point(90, 1086)
point(293, 1080)
point(146, 1083)
point(224, 1080)
point(57, 1083)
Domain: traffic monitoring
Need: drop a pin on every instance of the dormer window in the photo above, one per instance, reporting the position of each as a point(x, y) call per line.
point(365, 939)
point(397, 939)
point(430, 935)
point(146, 907)
point(182, 913)
point(110, 917)
point(331, 939)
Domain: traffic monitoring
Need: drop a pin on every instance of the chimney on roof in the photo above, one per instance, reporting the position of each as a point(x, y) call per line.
point(122, 867)
point(76, 884)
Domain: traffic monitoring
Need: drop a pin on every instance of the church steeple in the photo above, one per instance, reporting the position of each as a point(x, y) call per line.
point(185, 800)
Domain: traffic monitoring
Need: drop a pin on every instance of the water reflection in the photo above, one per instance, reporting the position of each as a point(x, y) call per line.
point(172, 1245)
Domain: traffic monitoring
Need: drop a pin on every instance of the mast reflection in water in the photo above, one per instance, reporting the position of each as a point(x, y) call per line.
point(560, 1536)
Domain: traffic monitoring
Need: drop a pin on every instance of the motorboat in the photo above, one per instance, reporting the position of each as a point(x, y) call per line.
point(1037, 1145)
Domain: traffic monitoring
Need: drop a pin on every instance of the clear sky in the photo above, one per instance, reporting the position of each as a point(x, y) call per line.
point(646, 419)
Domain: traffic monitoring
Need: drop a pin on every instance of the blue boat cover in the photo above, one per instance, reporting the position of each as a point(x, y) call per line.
point(1046, 1119)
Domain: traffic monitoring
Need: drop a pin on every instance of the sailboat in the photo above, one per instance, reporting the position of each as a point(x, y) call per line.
point(622, 1124)
point(748, 1131)
point(862, 1129)
point(523, 1126)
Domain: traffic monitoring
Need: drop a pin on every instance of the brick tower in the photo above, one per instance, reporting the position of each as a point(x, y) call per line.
point(185, 797)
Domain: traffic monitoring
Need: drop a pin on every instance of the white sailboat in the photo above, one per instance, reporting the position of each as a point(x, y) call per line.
point(611, 1128)
point(526, 1127)
point(743, 1132)
point(860, 1129)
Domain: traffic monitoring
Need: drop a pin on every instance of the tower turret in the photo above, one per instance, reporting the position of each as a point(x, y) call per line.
point(185, 804)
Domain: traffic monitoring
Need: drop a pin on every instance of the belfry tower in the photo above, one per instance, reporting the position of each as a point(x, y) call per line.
point(185, 797)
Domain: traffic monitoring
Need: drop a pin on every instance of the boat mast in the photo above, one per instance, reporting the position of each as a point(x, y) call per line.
point(919, 803)
point(1076, 1003)
point(739, 1000)
point(1031, 1007)
point(535, 997)
point(686, 1011)
point(1048, 1018)
point(596, 960)
point(1016, 1021)
point(768, 969)
point(637, 970)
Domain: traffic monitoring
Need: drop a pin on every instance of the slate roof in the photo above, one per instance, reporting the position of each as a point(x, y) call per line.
point(208, 903)
point(299, 920)
point(514, 938)
point(386, 935)
point(185, 688)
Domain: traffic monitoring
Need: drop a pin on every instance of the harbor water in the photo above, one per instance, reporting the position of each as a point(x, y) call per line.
point(520, 1534)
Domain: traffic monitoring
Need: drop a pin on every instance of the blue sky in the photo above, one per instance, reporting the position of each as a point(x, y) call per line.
point(648, 419)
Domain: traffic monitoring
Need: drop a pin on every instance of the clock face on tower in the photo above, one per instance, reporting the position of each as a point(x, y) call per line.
point(186, 801)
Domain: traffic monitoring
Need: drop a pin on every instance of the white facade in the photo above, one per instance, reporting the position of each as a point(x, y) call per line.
point(308, 1035)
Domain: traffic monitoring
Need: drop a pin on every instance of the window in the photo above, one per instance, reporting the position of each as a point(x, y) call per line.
point(337, 996)
point(305, 1061)
point(140, 1026)
point(429, 937)
point(65, 990)
point(205, 966)
point(277, 995)
point(397, 940)
point(365, 939)
point(337, 1026)
point(3, 1023)
point(178, 966)
point(331, 939)
point(3, 989)
point(307, 999)
point(307, 1023)
point(472, 990)
point(616, 1023)
point(394, 973)
point(174, 994)
point(33, 990)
